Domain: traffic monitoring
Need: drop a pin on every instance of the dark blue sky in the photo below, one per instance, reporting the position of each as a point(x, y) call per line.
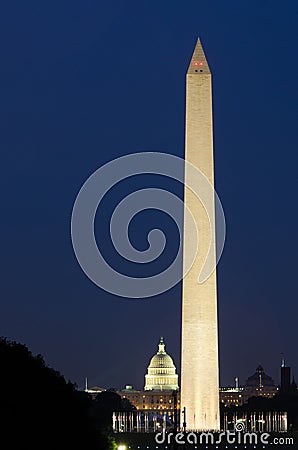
point(83, 82)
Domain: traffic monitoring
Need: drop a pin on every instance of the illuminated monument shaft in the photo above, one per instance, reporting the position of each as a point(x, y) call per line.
point(199, 365)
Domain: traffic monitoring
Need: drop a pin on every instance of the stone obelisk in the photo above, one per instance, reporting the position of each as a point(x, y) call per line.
point(199, 362)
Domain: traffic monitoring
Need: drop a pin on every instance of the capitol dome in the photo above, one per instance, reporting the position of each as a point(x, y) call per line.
point(161, 371)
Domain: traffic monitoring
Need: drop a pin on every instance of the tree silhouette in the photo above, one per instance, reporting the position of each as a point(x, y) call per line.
point(38, 407)
point(106, 403)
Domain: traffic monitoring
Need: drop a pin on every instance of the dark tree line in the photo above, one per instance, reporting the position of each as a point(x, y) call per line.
point(38, 407)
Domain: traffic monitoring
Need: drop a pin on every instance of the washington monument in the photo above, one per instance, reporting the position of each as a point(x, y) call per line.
point(199, 364)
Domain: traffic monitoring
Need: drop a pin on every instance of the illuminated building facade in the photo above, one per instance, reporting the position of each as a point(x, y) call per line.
point(258, 384)
point(150, 400)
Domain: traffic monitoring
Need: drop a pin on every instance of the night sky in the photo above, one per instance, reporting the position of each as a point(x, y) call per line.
point(84, 82)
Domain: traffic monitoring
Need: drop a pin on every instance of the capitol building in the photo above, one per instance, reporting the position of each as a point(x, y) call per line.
point(161, 384)
point(161, 371)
